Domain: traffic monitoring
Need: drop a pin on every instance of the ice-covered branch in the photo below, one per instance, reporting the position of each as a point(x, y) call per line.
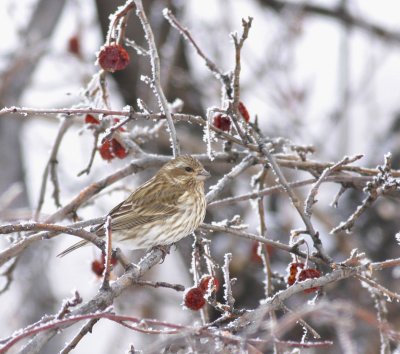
point(296, 203)
point(229, 177)
point(156, 75)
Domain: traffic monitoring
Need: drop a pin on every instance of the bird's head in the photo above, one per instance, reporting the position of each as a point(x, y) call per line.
point(184, 170)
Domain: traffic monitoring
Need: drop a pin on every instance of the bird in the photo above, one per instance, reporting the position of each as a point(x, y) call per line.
point(162, 211)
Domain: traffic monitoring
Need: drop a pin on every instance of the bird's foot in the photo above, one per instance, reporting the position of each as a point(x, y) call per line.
point(164, 249)
point(131, 266)
point(123, 260)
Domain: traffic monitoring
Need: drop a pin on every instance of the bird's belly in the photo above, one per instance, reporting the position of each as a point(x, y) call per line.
point(165, 232)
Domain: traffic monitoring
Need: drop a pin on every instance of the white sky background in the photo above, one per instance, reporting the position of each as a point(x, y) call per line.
point(313, 64)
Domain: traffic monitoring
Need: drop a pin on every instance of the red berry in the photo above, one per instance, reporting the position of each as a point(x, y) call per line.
point(244, 112)
point(113, 58)
point(293, 270)
point(98, 268)
point(118, 150)
point(222, 122)
point(74, 46)
point(89, 119)
point(309, 273)
point(205, 280)
point(194, 299)
point(105, 151)
point(111, 149)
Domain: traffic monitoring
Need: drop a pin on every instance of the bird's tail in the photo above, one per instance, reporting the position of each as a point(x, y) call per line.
point(73, 248)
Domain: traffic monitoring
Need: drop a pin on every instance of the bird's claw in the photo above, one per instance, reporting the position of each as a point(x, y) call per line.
point(164, 249)
point(131, 266)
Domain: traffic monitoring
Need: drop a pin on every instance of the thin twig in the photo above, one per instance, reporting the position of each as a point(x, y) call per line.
point(118, 23)
point(292, 249)
point(51, 167)
point(156, 75)
point(350, 180)
point(87, 328)
point(8, 274)
point(297, 204)
point(22, 244)
point(382, 317)
point(388, 293)
point(238, 48)
point(349, 223)
point(160, 284)
point(228, 297)
point(216, 190)
point(65, 309)
point(344, 16)
point(293, 344)
point(263, 251)
point(107, 266)
point(233, 109)
point(188, 36)
point(310, 200)
point(303, 323)
point(139, 49)
point(340, 192)
point(92, 154)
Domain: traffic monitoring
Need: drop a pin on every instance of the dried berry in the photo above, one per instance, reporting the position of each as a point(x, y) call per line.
point(194, 299)
point(244, 112)
point(293, 270)
point(74, 46)
point(222, 122)
point(205, 280)
point(309, 273)
point(106, 151)
point(89, 119)
point(113, 58)
point(111, 149)
point(98, 267)
point(118, 150)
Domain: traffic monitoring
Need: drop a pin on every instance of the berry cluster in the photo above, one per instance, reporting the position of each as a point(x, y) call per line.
point(305, 273)
point(194, 297)
point(223, 122)
point(110, 149)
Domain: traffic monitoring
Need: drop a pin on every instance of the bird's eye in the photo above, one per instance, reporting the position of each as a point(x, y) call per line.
point(189, 169)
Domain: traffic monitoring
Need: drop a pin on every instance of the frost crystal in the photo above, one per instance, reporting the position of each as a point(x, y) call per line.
point(397, 236)
point(209, 135)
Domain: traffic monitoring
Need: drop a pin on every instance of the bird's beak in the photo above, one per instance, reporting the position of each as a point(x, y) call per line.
point(203, 175)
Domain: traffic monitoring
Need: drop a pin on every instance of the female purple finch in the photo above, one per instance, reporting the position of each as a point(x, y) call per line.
point(163, 210)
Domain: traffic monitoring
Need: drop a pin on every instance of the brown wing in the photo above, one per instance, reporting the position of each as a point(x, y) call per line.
point(150, 202)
